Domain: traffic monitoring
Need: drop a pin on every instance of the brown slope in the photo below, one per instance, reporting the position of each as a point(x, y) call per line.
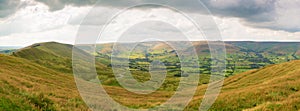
point(28, 86)
point(274, 87)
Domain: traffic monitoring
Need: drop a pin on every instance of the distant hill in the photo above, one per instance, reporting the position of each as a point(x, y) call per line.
point(241, 56)
point(267, 48)
point(8, 49)
point(52, 55)
point(25, 85)
point(279, 48)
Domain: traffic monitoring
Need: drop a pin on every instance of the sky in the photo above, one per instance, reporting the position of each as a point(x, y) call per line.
point(25, 22)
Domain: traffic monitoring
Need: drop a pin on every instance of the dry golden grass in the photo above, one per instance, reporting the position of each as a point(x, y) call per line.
point(21, 80)
point(275, 87)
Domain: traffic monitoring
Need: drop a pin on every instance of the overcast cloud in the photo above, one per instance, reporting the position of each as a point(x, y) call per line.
point(9, 7)
point(272, 14)
point(277, 18)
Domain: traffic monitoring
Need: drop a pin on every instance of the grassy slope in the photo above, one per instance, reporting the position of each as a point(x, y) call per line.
point(28, 86)
point(274, 87)
point(25, 85)
point(51, 55)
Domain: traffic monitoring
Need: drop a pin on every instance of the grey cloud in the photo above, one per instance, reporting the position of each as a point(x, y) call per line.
point(254, 13)
point(247, 9)
point(259, 13)
point(236, 8)
point(8, 7)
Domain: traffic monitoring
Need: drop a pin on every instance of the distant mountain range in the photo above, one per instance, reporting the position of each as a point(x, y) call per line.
point(240, 56)
point(8, 49)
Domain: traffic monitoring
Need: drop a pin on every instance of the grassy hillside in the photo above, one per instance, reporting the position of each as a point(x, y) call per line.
point(274, 88)
point(35, 78)
point(52, 55)
point(28, 86)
